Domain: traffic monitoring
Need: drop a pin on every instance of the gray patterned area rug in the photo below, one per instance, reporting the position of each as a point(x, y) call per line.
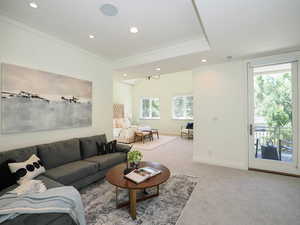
point(99, 200)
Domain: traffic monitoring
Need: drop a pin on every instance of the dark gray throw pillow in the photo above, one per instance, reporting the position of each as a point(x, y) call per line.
point(101, 148)
point(7, 177)
point(111, 146)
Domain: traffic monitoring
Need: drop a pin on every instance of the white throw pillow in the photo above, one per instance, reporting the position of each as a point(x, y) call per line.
point(27, 170)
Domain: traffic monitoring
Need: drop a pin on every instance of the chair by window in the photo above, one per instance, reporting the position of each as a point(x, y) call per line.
point(187, 131)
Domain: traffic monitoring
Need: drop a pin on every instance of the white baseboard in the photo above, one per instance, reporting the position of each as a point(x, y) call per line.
point(169, 134)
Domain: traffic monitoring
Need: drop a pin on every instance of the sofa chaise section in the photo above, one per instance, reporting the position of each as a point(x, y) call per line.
point(71, 172)
point(41, 219)
point(75, 162)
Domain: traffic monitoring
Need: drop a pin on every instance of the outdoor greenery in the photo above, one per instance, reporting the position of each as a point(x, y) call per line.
point(273, 102)
point(273, 95)
point(183, 107)
point(150, 108)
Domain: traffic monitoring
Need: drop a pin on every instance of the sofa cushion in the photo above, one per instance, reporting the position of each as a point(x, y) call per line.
point(108, 160)
point(49, 183)
point(71, 172)
point(88, 147)
point(59, 153)
point(19, 155)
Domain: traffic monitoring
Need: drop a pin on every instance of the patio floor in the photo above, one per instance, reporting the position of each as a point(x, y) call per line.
point(285, 156)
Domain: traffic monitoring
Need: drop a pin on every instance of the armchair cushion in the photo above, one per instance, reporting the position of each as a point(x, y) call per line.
point(187, 131)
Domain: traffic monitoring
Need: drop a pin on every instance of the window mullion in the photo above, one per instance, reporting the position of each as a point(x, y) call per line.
point(150, 108)
point(184, 107)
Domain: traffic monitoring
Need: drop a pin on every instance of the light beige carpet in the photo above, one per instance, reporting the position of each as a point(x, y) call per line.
point(151, 145)
point(225, 196)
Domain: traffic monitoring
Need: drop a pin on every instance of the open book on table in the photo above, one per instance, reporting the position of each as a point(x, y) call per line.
point(142, 174)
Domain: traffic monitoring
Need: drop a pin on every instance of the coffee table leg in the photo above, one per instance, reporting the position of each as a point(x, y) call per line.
point(117, 197)
point(132, 197)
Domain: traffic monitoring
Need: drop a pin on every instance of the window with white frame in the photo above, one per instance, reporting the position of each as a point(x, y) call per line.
point(182, 107)
point(149, 108)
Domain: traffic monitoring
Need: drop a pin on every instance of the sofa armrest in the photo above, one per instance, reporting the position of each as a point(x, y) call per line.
point(123, 148)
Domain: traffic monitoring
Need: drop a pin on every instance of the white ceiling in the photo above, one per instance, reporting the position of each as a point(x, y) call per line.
point(171, 36)
point(249, 27)
point(159, 22)
point(237, 28)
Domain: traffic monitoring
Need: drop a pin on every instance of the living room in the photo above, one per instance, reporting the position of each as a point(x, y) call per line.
point(208, 91)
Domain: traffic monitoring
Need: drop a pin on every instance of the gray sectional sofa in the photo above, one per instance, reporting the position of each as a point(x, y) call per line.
point(76, 162)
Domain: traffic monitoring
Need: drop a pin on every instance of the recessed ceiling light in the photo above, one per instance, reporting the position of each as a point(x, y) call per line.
point(125, 75)
point(158, 69)
point(91, 36)
point(33, 5)
point(204, 60)
point(134, 30)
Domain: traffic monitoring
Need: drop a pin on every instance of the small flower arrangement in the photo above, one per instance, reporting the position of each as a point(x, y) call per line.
point(134, 157)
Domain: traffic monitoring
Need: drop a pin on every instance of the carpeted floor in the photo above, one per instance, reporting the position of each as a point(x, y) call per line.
point(157, 142)
point(225, 196)
point(99, 202)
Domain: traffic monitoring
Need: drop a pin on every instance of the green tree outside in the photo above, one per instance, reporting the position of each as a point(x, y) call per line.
point(273, 102)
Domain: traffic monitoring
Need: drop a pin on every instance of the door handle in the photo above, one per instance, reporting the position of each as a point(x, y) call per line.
point(251, 129)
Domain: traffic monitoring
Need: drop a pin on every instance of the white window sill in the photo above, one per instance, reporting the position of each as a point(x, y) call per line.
point(149, 118)
point(182, 119)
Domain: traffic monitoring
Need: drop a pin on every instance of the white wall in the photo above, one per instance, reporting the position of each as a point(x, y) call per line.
point(220, 116)
point(122, 94)
point(165, 88)
point(24, 46)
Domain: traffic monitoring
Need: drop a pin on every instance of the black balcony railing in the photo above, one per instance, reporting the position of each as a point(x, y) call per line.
point(277, 141)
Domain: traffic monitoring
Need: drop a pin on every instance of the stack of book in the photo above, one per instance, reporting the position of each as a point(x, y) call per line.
point(142, 174)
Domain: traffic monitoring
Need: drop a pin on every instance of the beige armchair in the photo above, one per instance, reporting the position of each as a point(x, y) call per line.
point(187, 131)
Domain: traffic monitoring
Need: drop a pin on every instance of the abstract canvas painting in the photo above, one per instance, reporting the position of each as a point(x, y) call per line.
point(33, 100)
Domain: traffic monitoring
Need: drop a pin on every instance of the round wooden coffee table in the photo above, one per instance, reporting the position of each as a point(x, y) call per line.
point(116, 177)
